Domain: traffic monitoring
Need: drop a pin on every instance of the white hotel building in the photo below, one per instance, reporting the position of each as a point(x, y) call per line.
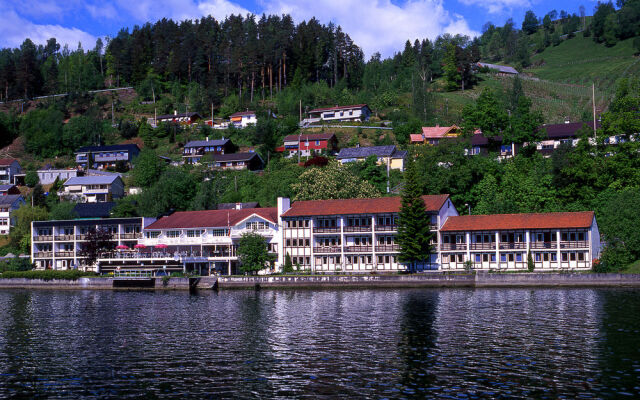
point(326, 236)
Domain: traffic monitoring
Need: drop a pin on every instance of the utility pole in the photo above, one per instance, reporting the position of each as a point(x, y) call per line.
point(300, 110)
point(299, 137)
point(112, 117)
point(593, 94)
point(388, 189)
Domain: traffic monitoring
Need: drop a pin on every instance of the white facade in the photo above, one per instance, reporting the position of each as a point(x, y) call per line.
point(360, 112)
point(48, 176)
point(6, 212)
point(94, 189)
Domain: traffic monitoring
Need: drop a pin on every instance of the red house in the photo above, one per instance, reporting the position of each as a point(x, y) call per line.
point(308, 143)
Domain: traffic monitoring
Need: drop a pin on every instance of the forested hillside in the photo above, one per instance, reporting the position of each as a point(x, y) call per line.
point(273, 65)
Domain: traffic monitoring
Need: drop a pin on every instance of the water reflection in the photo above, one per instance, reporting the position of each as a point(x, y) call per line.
point(544, 343)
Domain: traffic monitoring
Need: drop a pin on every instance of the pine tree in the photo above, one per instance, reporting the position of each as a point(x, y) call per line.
point(414, 235)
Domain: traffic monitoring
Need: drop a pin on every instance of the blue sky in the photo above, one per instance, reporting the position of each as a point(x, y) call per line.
point(375, 25)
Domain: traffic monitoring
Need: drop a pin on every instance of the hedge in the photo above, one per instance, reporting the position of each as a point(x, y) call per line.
point(47, 275)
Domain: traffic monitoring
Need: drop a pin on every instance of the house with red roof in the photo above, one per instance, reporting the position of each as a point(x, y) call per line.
point(243, 119)
point(9, 168)
point(433, 134)
point(556, 241)
point(352, 235)
point(309, 143)
point(356, 112)
point(207, 241)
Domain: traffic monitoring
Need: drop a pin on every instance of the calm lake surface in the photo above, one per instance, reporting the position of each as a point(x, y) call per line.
point(445, 343)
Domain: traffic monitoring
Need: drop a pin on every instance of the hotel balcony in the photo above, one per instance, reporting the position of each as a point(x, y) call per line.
point(131, 236)
point(366, 228)
point(64, 238)
point(453, 246)
point(513, 245)
point(64, 254)
point(387, 247)
point(43, 254)
point(43, 238)
point(582, 244)
point(333, 229)
point(327, 249)
point(358, 249)
point(543, 245)
point(483, 246)
point(386, 228)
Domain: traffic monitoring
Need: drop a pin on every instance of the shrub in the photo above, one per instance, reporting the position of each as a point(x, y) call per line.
point(530, 264)
point(47, 275)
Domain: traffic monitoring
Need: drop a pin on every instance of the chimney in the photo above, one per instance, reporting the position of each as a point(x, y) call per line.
point(207, 138)
point(175, 112)
point(437, 125)
point(238, 206)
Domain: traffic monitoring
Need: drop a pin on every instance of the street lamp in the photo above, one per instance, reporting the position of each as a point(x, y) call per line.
point(469, 207)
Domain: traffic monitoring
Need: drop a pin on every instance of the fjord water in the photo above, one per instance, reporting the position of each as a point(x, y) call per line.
point(460, 343)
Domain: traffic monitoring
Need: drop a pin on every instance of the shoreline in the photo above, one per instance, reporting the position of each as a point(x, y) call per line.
point(429, 280)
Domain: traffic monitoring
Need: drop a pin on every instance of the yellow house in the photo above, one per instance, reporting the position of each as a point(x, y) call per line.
point(432, 134)
point(387, 155)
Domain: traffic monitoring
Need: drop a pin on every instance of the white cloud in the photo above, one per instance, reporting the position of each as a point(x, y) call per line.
point(220, 9)
point(178, 10)
point(15, 29)
point(102, 10)
point(377, 25)
point(498, 6)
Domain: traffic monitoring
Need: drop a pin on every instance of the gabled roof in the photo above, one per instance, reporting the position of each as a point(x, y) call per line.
point(131, 147)
point(364, 152)
point(94, 210)
point(566, 130)
point(7, 161)
point(234, 157)
point(379, 205)
point(337, 108)
point(565, 220)
point(202, 143)
point(181, 115)
point(242, 114)
point(309, 136)
point(212, 218)
point(416, 137)
point(501, 68)
point(10, 199)
point(232, 206)
point(8, 188)
point(436, 132)
point(91, 180)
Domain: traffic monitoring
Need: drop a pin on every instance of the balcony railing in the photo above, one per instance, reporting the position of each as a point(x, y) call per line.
point(43, 254)
point(131, 236)
point(81, 237)
point(327, 249)
point(43, 238)
point(358, 249)
point(386, 228)
point(67, 254)
point(483, 246)
point(544, 245)
point(333, 229)
point(582, 244)
point(512, 245)
point(453, 246)
point(366, 228)
point(388, 247)
point(64, 237)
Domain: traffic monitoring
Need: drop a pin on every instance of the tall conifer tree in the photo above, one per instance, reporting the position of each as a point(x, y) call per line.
point(414, 235)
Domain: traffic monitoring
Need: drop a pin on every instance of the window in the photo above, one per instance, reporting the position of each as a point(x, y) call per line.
point(460, 258)
point(485, 257)
point(478, 258)
point(173, 234)
point(581, 256)
point(386, 259)
point(564, 236)
point(554, 257)
point(194, 233)
point(152, 235)
point(538, 257)
point(510, 257)
point(306, 223)
point(493, 258)
point(257, 226)
point(218, 232)
point(545, 257)
point(380, 259)
point(306, 242)
point(503, 258)
point(307, 260)
point(369, 259)
point(288, 242)
point(572, 256)
point(565, 257)
point(581, 236)
point(519, 257)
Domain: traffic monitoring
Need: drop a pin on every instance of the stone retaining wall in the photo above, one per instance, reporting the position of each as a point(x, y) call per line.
point(435, 279)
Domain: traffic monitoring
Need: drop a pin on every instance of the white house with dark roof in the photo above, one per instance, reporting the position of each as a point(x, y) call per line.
point(8, 204)
point(236, 161)
point(91, 189)
point(357, 112)
point(106, 156)
point(387, 155)
point(47, 176)
point(194, 150)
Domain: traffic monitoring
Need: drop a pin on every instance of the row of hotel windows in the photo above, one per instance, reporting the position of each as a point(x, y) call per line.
point(382, 259)
point(332, 222)
point(83, 230)
point(517, 257)
point(192, 233)
point(337, 241)
point(517, 237)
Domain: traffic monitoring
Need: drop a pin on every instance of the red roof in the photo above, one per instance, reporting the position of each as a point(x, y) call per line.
point(212, 218)
point(339, 108)
point(309, 136)
point(436, 132)
point(358, 206)
point(7, 161)
point(416, 137)
point(497, 222)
